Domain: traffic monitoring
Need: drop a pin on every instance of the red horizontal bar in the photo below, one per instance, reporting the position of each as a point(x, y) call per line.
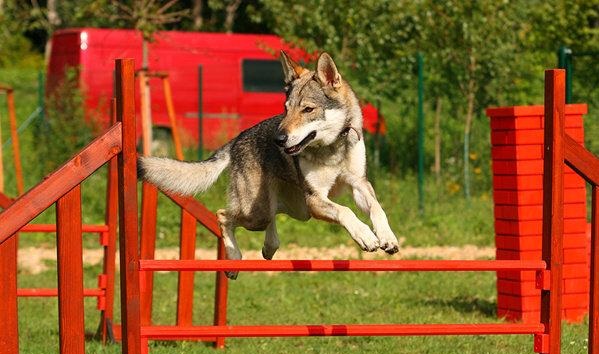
point(339, 265)
point(52, 228)
point(176, 332)
point(52, 292)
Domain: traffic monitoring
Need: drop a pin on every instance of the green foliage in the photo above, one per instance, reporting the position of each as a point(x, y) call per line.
point(15, 48)
point(65, 129)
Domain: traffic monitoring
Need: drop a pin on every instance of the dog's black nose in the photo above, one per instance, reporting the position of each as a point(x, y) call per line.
point(281, 138)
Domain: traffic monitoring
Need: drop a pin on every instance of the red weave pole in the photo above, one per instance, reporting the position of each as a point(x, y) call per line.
point(9, 327)
point(339, 265)
point(128, 235)
point(187, 241)
point(70, 273)
point(553, 209)
point(176, 332)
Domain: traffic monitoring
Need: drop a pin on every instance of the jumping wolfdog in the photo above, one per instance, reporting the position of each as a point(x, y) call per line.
point(291, 163)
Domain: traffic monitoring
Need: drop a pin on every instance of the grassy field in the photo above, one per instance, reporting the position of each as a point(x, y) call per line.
point(297, 298)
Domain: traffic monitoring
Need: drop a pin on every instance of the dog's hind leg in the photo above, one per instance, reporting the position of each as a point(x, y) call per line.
point(227, 228)
point(271, 241)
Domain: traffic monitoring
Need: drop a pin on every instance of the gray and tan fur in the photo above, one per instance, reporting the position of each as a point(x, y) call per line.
point(291, 163)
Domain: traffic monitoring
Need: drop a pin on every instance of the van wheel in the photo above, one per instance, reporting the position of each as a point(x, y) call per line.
point(162, 142)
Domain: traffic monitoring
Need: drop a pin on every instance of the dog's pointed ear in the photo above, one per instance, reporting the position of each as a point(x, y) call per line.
point(291, 69)
point(327, 72)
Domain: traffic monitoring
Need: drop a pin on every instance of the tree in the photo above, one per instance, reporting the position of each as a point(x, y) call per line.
point(472, 43)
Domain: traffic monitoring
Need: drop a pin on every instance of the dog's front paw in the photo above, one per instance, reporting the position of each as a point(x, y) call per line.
point(365, 238)
point(388, 242)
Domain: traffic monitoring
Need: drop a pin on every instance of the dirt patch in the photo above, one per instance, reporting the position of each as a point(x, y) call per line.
point(35, 260)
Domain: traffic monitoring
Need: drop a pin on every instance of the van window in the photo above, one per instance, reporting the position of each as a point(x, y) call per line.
point(262, 75)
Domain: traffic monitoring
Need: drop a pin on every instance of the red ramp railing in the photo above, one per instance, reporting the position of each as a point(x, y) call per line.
point(63, 188)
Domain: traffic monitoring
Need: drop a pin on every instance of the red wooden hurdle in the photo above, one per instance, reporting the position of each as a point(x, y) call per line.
point(63, 188)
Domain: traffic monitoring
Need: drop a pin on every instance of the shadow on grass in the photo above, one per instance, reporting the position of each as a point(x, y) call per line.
point(466, 305)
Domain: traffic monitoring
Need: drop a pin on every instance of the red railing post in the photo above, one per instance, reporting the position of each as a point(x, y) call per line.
point(9, 330)
point(70, 272)
point(220, 295)
point(10, 100)
point(553, 209)
point(149, 204)
point(187, 241)
point(111, 219)
point(128, 239)
point(594, 296)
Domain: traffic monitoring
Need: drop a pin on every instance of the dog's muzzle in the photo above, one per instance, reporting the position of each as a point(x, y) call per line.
point(297, 148)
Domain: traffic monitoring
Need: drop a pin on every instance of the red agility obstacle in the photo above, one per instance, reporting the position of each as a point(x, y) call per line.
point(63, 187)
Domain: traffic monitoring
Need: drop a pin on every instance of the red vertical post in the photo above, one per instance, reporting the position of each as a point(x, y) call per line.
point(128, 240)
point(553, 207)
point(594, 300)
point(220, 298)
point(111, 219)
point(9, 327)
point(187, 239)
point(149, 204)
point(69, 247)
point(16, 150)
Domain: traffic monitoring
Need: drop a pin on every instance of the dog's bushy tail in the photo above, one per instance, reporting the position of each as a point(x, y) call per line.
point(182, 177)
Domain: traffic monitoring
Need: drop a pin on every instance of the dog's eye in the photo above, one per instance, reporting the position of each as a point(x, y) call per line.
point(307, 110)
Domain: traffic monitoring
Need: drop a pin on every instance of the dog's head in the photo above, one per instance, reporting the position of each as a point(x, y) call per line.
point(319, 105)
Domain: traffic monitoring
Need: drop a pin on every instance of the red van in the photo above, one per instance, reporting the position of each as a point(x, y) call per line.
point(242, 78)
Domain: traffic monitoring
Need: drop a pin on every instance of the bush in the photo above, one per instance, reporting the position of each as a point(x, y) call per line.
point(65, 129)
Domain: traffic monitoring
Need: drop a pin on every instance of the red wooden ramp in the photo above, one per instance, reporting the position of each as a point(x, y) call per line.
point(63, 188)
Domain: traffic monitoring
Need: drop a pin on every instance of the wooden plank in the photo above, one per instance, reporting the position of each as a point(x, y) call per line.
point(9, 328)
point(553, 207)
point(339, 265)
point(324, 330)
point(220, 295)
point(187, 241)
point(128, 239)
point(70, 273)
point(54, 186)
point(202, 214)
point(594, 295)
point(149, 203)
point(146, 113)
point(1, 160)
point(581, 160)
point(168, 98)
point(16, 149)
point(111, 220)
